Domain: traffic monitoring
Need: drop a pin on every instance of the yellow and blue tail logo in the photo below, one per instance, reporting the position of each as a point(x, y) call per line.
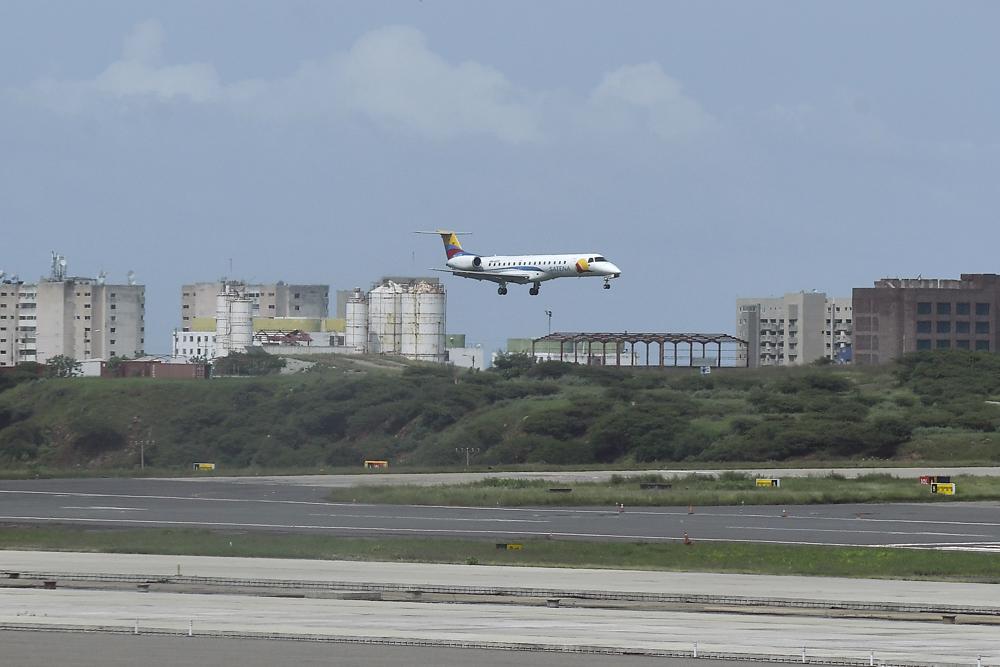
point(452, 246)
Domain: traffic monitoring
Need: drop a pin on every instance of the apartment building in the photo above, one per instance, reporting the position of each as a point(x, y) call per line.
point(198, 301)
point(797, 328)
point(77, 317)
point(900, 315)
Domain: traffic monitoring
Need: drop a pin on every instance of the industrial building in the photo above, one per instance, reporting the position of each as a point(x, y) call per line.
point(73, 316)
point(795, 329)
point(401, 316)
point(900, 315)
point(271, 300)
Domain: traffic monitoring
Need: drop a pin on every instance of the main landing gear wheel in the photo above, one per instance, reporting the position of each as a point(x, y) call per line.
point(501, 290)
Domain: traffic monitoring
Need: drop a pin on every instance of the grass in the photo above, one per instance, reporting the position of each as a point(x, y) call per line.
point(699, 557)
point(703, 490)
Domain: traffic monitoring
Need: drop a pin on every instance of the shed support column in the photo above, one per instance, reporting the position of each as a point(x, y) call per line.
point(618, 353)
point(647, 353)
point(663, 351)
point(691, 353)
point(675, 354)
point(560, 351)
point(718, 361)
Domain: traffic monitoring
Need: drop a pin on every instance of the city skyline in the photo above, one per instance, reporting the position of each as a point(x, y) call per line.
point(720, 151)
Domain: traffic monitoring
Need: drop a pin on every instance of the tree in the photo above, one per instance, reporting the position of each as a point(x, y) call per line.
point(114, 363)
point(513, 364)
point(61, 366)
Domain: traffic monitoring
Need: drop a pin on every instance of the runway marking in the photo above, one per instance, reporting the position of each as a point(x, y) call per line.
point(100, 507)
point(534, 510)
point(427, 531)
point(848, 530)
point(432, 518)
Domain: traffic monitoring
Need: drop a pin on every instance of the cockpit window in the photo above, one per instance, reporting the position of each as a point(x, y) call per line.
point(600, 259)
point(590, 259)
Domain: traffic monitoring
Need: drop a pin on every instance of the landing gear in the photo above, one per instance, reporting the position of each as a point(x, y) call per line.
point(607, 283)
point(502, 290)
point(534, 290)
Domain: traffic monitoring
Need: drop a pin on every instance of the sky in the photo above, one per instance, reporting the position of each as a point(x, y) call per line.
point(712, 150)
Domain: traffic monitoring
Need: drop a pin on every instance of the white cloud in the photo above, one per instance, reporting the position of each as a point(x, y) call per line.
point(645, 95)
point(391, 77)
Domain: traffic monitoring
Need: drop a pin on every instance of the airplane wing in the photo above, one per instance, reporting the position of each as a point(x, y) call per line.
point(518, 277)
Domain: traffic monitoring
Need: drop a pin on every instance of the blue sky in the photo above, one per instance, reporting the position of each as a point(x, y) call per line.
point(711, 149)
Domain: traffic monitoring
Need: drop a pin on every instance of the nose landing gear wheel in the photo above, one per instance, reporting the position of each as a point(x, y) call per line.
point(607, 285)
point(501, 290)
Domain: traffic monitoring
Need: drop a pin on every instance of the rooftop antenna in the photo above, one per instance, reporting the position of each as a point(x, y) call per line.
point(102, 277)
point(131, 277)
point(58, 267)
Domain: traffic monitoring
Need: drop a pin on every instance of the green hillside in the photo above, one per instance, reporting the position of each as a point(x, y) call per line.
point(932, 406)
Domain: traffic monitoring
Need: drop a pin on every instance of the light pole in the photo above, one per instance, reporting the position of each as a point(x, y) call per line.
point(549, 313)
point(468, 451)
point(139, 442)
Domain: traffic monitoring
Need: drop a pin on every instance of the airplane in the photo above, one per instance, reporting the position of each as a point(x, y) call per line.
point(522, 269)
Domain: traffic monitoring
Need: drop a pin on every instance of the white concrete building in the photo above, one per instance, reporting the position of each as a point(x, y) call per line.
point(194, 344)
point(467, 357)
point(795, 329)
point(77, 317)
point(280, 299)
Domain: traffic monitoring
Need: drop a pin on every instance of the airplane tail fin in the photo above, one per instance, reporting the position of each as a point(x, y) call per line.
point(452, 246)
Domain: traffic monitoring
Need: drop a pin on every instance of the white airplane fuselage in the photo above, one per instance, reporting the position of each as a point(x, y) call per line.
point(538, 268)
point(523, 269)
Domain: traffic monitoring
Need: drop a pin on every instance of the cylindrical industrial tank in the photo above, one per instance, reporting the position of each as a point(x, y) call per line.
point(423, 332)
point(222, 323)
point(356, 326)
point(241, 328)
point(384, 324)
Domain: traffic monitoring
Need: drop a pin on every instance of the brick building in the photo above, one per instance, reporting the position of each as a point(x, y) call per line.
point(900, 315)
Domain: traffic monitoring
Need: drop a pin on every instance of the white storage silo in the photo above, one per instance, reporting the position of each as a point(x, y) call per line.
point(241, 327)
point(384, 323)
point(423, 323)
point(356, 326)
point(223, 323)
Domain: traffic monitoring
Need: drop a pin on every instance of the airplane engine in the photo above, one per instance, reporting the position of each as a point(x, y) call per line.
point(466, 263)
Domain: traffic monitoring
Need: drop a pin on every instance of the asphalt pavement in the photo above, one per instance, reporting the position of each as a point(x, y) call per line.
point(263, 506)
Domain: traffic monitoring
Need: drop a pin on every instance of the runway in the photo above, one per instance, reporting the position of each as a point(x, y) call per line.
point(257, 506)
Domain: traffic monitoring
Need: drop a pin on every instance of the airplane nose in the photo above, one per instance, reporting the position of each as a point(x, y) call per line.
point(614, 270)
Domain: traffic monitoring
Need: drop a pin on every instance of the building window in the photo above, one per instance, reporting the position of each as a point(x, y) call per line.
point(962, 308)
point(944, 309)
point(983, 345)
point(923, 326)
point(943, 327)
point(112, 306)
point(923, 343)
point(962, 327)
point(982, 327)
point(296, 295)
point(944, 344)
point(296, 308)
point(962, 344)
point(923, 308)
point(982, 309)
